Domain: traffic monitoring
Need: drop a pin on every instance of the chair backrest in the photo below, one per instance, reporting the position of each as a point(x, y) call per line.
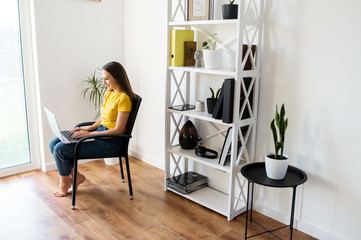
point(133, 114)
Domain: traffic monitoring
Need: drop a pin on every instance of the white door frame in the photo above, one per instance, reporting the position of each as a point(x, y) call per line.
point(28, 40)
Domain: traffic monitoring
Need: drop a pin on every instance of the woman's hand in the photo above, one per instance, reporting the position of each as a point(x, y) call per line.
point(77, 130)
point(80, 134)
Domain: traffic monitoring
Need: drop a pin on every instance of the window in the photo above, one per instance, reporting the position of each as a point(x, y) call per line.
point(17, 92)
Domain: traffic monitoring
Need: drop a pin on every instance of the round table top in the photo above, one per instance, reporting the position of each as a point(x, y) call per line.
point(256, 172)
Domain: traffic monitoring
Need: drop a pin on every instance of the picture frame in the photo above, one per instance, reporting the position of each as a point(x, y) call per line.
point(198, 10)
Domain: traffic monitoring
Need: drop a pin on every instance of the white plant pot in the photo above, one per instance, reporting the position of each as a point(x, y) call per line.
point(276, 168)
point(111, 161)
point(212, 58)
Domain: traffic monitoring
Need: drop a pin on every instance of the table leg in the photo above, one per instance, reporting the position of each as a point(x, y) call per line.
point(245, 232)
point(251, 201)
point(292, 211)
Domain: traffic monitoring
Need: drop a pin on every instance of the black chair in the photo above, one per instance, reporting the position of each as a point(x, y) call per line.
point(123, 151)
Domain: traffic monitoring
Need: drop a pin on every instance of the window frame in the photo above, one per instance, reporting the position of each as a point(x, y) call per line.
point(32, 96)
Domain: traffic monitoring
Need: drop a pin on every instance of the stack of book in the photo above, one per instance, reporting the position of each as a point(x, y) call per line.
point(187, 182)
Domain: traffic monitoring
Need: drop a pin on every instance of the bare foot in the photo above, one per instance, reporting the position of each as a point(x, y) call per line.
point(65, 182)
point(80, 179)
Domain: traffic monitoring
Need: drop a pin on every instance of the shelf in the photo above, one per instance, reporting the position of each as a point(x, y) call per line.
point(208, 117)
point(204, 22)
point(251, 22)
point(223, 72)
point(205, 161)
point(188, 82)
point(212, 199)
point(200, 115)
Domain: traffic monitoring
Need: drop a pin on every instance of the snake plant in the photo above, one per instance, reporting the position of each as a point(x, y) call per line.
point(281, 124)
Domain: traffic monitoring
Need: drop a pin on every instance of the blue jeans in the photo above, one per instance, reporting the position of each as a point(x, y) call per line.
point(100, 148)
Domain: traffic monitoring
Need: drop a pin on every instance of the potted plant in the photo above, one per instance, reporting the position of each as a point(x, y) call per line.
point(212, 56)
point(94, 92)
point(211, 102)
point(277, 162)
point(230, 11)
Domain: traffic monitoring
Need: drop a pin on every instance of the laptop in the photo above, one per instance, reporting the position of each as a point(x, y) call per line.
point(64, 136)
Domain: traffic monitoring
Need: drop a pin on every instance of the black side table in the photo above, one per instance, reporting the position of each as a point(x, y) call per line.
point(256, 173)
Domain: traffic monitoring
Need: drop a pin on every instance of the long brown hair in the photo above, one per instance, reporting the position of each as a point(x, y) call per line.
point(120, 75)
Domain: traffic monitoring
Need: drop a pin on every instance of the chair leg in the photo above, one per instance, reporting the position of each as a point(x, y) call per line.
point(121, 168)
point(75, 173)
point(129, 179)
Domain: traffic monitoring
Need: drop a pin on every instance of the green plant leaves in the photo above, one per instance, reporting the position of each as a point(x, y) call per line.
point(281, 124)
point(210, 42)
point(212, 92)
point(214, 96)
point(94, 91)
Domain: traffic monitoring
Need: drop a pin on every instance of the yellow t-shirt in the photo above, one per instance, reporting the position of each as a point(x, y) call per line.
point(114, 103)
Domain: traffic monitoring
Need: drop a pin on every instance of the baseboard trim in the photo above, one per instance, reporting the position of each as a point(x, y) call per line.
point(52, 166)
point(305, 227)
point(145, 158)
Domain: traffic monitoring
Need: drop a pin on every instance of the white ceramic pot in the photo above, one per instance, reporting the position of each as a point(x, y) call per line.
point(276, 168)
point(111, 161)
point(212, 58)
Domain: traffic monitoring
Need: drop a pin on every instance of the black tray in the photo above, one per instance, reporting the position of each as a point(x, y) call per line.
point(256, 172)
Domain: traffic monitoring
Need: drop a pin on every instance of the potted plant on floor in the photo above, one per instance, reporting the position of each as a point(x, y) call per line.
point(94, 92)
point(230, 11)
point(212, 56)
point(277, 162)
point(211, 102)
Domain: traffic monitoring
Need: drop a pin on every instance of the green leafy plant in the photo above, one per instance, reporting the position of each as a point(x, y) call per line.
point(231, 2)
point(281, 124)
point(94, 91)
point(214, 96)
point(210, 43)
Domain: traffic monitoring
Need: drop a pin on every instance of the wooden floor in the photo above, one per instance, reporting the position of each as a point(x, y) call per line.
point(29, 211)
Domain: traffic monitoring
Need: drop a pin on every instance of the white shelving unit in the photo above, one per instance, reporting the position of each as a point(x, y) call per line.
point(249, 26)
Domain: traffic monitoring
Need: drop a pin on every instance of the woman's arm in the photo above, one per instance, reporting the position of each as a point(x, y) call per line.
point(120, 127)
point(87, 129)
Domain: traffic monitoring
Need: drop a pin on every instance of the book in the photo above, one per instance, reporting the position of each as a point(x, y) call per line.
point(228, 93)
point(190, 187)
point(187, 181)
point(247, 82)
point(180, 190)
point(248, 63)
point(177, 39)
point(225, 148)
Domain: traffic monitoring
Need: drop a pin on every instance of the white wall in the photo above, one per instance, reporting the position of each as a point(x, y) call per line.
point(73, 39)
point(145, 60)
point(312, 63)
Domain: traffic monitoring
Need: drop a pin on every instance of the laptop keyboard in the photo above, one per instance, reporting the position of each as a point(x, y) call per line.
point(67, 135)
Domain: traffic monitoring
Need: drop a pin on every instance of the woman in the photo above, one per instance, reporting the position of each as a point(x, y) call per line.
point(114, 116)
